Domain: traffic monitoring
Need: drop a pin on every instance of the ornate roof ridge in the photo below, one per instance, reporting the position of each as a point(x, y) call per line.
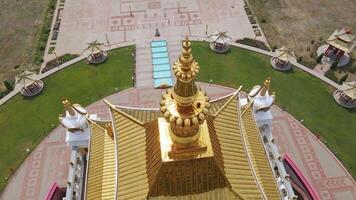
point(227, 103)
point(137, 108)
point(249, 127)
point(223, 97)
point(95, 122)
point(123, 113)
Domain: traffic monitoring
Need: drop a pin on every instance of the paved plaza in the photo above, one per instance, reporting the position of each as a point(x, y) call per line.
point(49, 162)
point(83, 21)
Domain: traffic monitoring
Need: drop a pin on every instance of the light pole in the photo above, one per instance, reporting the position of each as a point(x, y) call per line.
point(55, 55)
point(131, 15)
point(178, 6)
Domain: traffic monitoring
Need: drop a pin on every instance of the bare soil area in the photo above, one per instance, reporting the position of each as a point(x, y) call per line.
point(20, 22)
point(303, 25)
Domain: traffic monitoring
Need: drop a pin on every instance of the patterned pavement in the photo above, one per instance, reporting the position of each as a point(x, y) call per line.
point(83, 21)
point(49, 162)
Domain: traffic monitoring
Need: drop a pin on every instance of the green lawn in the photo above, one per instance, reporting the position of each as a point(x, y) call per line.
point(304, 96)
point(25, 122)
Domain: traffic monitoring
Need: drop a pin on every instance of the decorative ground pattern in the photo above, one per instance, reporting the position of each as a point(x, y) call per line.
point(49, 162)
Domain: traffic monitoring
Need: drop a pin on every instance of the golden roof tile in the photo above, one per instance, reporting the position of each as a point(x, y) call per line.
point(130, 137)
point(101, 175)
point(143, 115)
point(257, 153)
point(218, 103)
point(220, 193)
point(227, 125)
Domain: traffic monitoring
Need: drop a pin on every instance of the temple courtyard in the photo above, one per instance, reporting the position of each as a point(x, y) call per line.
point(48, 163)
point(113, 22)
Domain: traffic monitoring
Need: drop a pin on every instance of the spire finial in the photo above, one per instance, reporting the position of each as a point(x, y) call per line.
point(265, 87)
point(68, 106)
point(185, 106)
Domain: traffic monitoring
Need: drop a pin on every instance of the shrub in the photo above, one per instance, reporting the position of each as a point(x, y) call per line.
point(318, 60)
point(8, 85)
point(331, 75)
point(253, 43)
point(44, 32)
point(274, 47)
point(334, 65)
point(352, 68)
point(62, 59)
point(263, 20)
point(343, 78)
point(300, 58)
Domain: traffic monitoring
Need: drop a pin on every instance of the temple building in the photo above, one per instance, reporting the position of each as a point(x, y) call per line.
point(340, 42)
point(189, 148)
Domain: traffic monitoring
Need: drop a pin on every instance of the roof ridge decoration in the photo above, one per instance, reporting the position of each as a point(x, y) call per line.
point(228, 127)
point(131, 144)
point(101, 172)
point(257, 156)
point(234, 95)
point(123, 113)
point(68, 107)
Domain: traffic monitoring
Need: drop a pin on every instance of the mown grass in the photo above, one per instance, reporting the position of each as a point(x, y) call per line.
point(304, 96)
point(24, 122)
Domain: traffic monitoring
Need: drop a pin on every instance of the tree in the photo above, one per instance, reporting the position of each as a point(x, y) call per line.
point(318, 60)
point(8, 85)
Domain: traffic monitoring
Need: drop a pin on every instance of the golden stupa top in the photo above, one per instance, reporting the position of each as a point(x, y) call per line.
point(185, 106)
point(265, 87)
point(68, 106)
point(186, 68)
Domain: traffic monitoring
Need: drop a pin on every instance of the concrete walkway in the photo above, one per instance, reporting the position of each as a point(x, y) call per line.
point(49, 162)
point(144, 67)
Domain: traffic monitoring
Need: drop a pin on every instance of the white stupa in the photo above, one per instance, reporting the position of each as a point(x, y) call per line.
point(262, 102)
point(74, 120)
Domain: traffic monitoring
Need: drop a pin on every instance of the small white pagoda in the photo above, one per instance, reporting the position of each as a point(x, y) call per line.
point(346, 97)
point(97, 54)
point(220, 42)
point(282, 59)
point(29, 83)
point(262, 100)
point(74, 120)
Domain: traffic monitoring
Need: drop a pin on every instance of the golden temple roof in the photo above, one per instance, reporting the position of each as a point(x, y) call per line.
point(238, 159)
point(217, 156)
point(257, 153)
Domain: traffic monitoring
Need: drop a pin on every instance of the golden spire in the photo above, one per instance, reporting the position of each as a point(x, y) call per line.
point(265, 87)
point(68, 106)
point(185, 106)
point(186, 69)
